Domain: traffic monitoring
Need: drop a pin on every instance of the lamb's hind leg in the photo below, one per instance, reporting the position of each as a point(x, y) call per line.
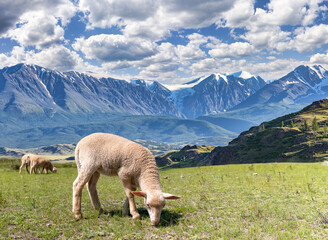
point(26, 165)
point(125, 210)
point(82, 178)
point(92, 189)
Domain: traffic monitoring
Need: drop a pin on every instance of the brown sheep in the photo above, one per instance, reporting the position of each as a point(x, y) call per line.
point(108, 154)
point(40, 162)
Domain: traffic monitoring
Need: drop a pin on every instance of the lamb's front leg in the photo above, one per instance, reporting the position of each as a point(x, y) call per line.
point(20, 168)
point(128, 191)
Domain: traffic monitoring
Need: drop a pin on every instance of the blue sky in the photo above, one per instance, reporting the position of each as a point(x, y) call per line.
point(171, 41)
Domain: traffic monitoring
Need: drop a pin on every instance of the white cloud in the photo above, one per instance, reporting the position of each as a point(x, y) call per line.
point(105, 13)
point(269, 38)
point(110, 47)
point(319, 58)
point(37, 30)
point(278, 13)
point(263, 27)
point(192, 51)
point(162, 65)
point(238, 15)
point(55, 57)
point(12, 11)
point(234, 50)
point(309, 38)
point(153, 19)
point(206, 66)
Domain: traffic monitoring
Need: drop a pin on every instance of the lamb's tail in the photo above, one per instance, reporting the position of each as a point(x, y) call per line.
point(77, 158)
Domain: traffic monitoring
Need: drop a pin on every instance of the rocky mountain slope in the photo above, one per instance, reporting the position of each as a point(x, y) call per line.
point(30, 89)
point(214, 93)
point(302, 85)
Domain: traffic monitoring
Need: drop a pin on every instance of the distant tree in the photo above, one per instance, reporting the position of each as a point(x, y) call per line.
point(315, 125)
point(325, 130)
point(305, 126)
point(262, 127)
point(282, 124)
point(292, 123)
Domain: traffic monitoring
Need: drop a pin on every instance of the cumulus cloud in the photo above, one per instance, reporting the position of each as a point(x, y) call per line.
point(263, 26)
point(206, 66)
point(153, 19)
point(238, 15)
point(110, 47)
point(56, 57)
point(192, 51)
point(12, 11)
point(278, 13)
point(309, 38)
point(269, 38)
point(234, 50)
point(38, 30)
point(319, 58)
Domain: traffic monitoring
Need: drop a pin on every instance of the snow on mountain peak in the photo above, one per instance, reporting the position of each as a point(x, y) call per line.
point(219, 76)
point(243, 74)
point(319, 70)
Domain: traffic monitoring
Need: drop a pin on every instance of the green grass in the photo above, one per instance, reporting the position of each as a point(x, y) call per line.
point(260, 201)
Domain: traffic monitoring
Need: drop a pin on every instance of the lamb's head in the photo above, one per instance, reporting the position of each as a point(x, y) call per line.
point(54, 169)
point(155, 201)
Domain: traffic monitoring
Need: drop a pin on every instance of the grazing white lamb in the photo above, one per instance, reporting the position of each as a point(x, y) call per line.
point(102, 153)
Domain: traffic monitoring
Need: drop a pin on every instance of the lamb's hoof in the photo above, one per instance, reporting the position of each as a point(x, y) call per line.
point(136, 217)
point(101, 211)
point(78, 216)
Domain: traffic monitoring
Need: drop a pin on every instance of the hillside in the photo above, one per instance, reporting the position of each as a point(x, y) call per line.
point(291, 138)
point(188, 156)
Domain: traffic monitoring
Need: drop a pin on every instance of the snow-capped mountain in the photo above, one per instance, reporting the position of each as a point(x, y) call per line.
point(214, 93)
point(30, 89)
point(303, 85)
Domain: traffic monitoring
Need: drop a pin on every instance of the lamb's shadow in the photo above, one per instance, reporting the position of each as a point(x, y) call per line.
point(167, 218)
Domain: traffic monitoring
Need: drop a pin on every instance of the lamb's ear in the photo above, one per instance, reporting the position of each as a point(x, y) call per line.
point(140, 194)
point(170, 196)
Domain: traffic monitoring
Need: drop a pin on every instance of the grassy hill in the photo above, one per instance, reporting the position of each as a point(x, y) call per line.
point(297, 137)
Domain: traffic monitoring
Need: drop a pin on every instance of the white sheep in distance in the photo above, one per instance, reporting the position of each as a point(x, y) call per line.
point(108, 154)
point(25, 162)
point(40, 162)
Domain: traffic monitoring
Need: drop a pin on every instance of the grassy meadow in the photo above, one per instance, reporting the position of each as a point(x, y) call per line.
point(260, 201)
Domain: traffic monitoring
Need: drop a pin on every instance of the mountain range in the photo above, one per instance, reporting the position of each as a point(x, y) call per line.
point(35, 102)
